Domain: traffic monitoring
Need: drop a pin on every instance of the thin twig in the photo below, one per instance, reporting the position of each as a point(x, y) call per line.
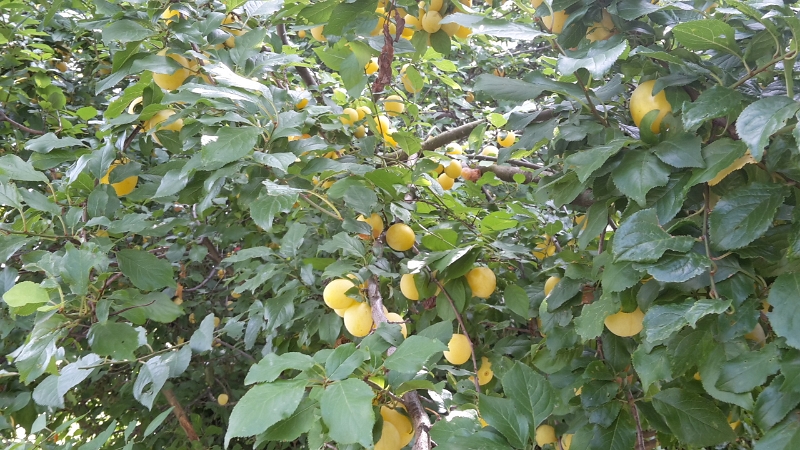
point(635, 412)
point(17, 125)
point(464, 329)
point(241, 353)
point(183, 419)
point(203, 283)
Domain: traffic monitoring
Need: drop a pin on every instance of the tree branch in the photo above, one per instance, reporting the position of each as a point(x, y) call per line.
point(305, 74)
point(420, 419)
point(183, 419)
point(17, 125)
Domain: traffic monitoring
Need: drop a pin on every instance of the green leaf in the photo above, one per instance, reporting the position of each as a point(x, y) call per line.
point(651, 367)
point(590, 323)
point(231, 144)
point(440, 239)
point(676, 268)
point(718, 156)
point(347, 411)
point(707, 34)
point(319, 12)
point(153, 426)
point(565, 290)
point(597, 58)
point(10, 244)
point(693, 419)
point(680, 151)
point(26, 293)
point(500, 88)
point(785, 436)
point(531, 393)
point(263, 406)
point(639, 172)
point(265, 207)
point(155, 306)
point(101, 439)
point(494, 27)
point(150, 380)
point(502, 414)
point(117, 340)
point(773, 404)
point(621, 435)
point(586, 162)
point(785, 314)
point(272, 365)
point(748, 370)
point(125, 31)
point(146, 271)
point(343, 13)
point(49, 142)
point(203, 337)
point(295, 425)
point(412, 354)
point(640, 238)
point(662, 321)
point(516, 299)
point(13, 167)
point(761, 119)
point(717, 101)
point(344, 360)
point(744, 215)
point(710, 371)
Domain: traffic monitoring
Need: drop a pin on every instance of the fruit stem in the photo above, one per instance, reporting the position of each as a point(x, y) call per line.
point(464, 330)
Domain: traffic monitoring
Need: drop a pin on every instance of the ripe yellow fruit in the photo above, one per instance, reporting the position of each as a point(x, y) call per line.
point(490, 150)
point(376, 222)
point(736, 165)
point(372, 66)
point(555, 23)
point(600, 31)
point(550, 284)
point(482, 281)
point(545, 434)
point(757, 335)
point(401, 422)
point(160, 117)
point(507, 140)
point(436, 5)
point(451, 28)
point(408, 288)
point(349, 116)
point(384, 125)
point(122, 188)
point(566, 441)
point(458, 350)
point(335, 294)
point(222, 399)
point(360, 132)
point(316, 33)
point(394, 317)
point(394, 105)
point(62, 66)
point(400, 237)
point(340, 312)
point(536, 3)
point(485, 373)
point(445, 182)
point(301, 104)
point(625, 324)
point(168, 13)
point(390, 141)
point(301, 34)
point(412, 22)
point(469, 97)
point(172, 81)
point(643, 101)
point(453, 170)
point(544, 249)
point(358, 319)
point(390, 438)
point(363, 111)
point(430, 21)
point(463, 33)
point(216, 322)
point(454, 148)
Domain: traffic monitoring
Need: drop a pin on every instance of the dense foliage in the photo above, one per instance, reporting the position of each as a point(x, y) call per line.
point(193, 193)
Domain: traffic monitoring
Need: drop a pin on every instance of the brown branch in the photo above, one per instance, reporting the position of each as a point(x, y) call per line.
point(241, 353)
point(639, 436)
point(451, 135)
point(180, 414)
point(305, 74)
point(206, 280)
point(420, 419)
point(19, 126)
point(212, 251)
point(513, 162)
